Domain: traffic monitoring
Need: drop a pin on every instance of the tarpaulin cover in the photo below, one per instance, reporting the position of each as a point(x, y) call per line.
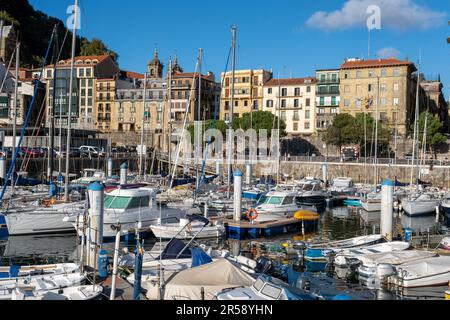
point(199, 258)
point(172, 250)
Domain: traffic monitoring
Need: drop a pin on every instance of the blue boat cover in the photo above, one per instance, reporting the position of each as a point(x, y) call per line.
point(199, 257)
point(13, 272)
point(196, 217)
point(173, 248)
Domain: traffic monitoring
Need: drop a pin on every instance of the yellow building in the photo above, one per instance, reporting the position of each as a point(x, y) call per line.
point(105, 94)
point(248, 92)
point(360, 80)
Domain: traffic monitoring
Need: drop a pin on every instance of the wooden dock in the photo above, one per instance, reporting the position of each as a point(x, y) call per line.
point(124, 290)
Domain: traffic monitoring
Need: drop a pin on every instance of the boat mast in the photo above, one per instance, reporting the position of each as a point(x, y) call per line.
point(52, 112)
point(376, 134)
point(69, 116)
point(14, 109)
point(424, 139)
point(141, 156)
point(199, 119)
point(169, 133)
point(230, 124)
point(416, 116)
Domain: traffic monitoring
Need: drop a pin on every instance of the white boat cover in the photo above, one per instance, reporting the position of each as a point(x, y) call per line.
point(213, 277)
point(395, 257)
point(427, 267)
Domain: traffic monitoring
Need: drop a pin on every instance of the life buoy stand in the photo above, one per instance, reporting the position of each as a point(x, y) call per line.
point(252, 214)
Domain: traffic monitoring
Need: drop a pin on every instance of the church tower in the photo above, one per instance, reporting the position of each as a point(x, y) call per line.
point(155, 67)
point(176, 68)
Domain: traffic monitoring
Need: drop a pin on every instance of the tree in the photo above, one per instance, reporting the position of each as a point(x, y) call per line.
point(6, 17)
point(96, 47)
point(218, 124)
point(339, 133)
point(260, 120)
point(433, 127)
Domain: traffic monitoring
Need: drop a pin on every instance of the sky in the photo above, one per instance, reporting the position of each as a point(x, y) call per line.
point(292, 38)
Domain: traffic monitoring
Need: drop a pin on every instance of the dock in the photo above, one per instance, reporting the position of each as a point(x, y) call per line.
point(124, 290)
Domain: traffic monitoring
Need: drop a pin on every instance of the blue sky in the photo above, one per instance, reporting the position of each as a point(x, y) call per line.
point(291, 37)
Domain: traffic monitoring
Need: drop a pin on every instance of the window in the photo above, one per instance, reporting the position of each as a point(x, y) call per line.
point(358, 74)
point(255, 104)
point(396, 87)
point(371, 73)
point(395, 102)
point(370, 87)
point(296, 117)
point(333, 101)
point(346, 75)
point(346, 102)
point(358, 103)
point(307, 114)
point(269, 91)
point(113, 202)
point(88, 72)
point(383, 87)
point(383, 102)
point(333, 110)
point(90, 83)
point(49, 73)
point(321, 110)
point(396, 72)
point(308, 102)
point(236, 103)
point(346, 89)
point(334, 77)
point(284, 92)
point(322, 77)
point(269, 103)
point(283, 115)
point(306, 125)
point(245, 103)
point(83, 92)
point(90, 92)
point(308, 89)
point(295, 126)
point(383, 72)
point(322, 101)
point(297, 92)
point(89, 101)
point(133, 109)
point(81, 72)
point(283, 103)
point(83, 82)
point(296, 103)
point(358, 89)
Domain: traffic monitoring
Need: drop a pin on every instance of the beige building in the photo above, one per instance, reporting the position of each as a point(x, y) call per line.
point(248, 92)
point(359, 83)
point(294, 100)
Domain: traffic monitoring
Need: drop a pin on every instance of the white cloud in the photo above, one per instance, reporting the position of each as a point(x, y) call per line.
point(395, 14)
point(388, 52)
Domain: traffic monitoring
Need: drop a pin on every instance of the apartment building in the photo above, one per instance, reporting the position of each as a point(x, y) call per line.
point(294, 100)
point(360, 80)
point(327, 97)
point(248, 92)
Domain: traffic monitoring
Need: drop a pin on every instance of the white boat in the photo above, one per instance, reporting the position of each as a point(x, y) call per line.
point(445, 205)
point(71, 293)
point(276, 205)
point(423, 273)
point(369, 262)
point(131, 208)
point(42, 218)
point(90, 176)
point(41, 283)
point(342, 186)
point(266, 288)
point(372, 202)
point(420, 204)
point(186, 229)
point(16, 272)
point(357, 253)
point(310, 192)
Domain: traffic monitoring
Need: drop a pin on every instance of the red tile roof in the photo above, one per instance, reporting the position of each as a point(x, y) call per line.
point(391, 62)
point(289, 82)
point(131, 74)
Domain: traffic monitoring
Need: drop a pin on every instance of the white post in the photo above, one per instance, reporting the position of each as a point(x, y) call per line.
point(205, 212)
point(237, 195)
point(123, 173)
point(115, 264)
point(437, 214)
point(387, 211)
point(110, 167)
point(3, 169)
point(325, 173)
point(218, 168)
point(96, 191)
point(248, 173)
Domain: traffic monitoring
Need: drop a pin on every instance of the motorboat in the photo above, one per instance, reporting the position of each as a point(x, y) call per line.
point(70, 293)
point(372, 202)
point(420, 204)
point(131, 208)
point(342, 186)
point(187, 228)
point(90, 176)
point(311, 192)
point(423, 273)
point(319, 251)
point(445, 206)
point(42, 217)
point(266, 288)
point(276, 205)
point(445, 243)
point(343, 256)
point(370, 261)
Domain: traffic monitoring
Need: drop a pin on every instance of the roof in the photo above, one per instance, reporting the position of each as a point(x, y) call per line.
point(83, 59)
point(131, 74)
point(289, 82)
point(391, 62)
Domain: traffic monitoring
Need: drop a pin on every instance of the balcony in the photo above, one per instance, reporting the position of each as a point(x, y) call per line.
point(327, 91)
point(328, 81)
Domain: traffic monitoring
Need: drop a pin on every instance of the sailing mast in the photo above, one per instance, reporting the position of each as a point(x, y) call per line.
point(199, 119)
point(424, 139)
point(16, 91)
point(416, 117)
point(52, 113)
point(230, 124)
point(141, 157)
point(376, 134)
point(69, 116)
point(169, 133)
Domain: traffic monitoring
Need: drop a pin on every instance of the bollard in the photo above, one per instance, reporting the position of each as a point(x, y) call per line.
point(237, 195)
point(248, 173)
point(437, 214)
point(3, 169)
point(96, 195)
point(387, 211)
point(205, 212)
point(325, 173)
point(103, 264)
point(123, 173)
point(218, 168)
point(110, 167)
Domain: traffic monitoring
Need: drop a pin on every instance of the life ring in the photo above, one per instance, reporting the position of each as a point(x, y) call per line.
point(252, 214)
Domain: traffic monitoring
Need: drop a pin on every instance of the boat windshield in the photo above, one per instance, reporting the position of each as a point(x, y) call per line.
point(307, 187)
point(271, 200)
point(271, 291)
point(117, 202)
point(258, 284)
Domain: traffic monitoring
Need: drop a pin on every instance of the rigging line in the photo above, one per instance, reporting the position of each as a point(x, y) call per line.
point(28, 115)
point(7, 70)
point(213, 123)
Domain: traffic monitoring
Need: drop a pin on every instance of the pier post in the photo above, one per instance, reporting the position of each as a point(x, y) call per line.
point(387, 209)
point(237, 195)
point(205, 212)
point(3, 169)
point(96, 195)
point(218, 168)
point(110, 167)
point(248, 173)
point(123, 173)
point(325, 173)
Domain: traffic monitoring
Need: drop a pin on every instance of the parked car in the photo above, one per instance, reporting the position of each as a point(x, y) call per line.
point(94, 152)
point(6, 152)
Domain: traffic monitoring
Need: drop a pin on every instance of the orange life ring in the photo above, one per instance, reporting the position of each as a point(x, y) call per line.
point(252, 214)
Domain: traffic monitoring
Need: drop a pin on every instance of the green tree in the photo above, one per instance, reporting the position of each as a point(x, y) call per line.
point(6, 17)
point(218, 124)
point(96, 47)
point(434, 137)
point(340, 132)
point(260, 120)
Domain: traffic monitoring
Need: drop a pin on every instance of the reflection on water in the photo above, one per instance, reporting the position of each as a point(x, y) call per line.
point(334, 224)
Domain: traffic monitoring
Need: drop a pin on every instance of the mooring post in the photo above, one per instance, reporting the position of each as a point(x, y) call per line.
point(248, 173)
point(96, 195)
point(387, 211)
point(123, 173)
point(237, 195)
point(110, 167)
point(3, 170)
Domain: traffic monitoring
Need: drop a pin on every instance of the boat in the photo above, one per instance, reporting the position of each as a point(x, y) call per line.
point(15, 273)
point(445, 243)
point(370, 261)
point(188, 227)
point(420, 204)
point(42, 217)
point(71, 293)
point(372, 202)
point(445, 206)
point(319, 251)
point(266, 288)
point(41, 283)
point(342, 256)
point(276, 205)
point(423, 273)
point(3, 227)
point(201, 283)
point(342, 186)
point(132, 208)
point(310, 192)
point(90, 176)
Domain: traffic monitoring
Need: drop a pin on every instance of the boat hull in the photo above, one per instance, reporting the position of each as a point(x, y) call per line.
point(24, 223)
point(168, 232)
point(419, 208)
point(371, 206)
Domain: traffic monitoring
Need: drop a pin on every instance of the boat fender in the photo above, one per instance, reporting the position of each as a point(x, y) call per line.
point(252, 214)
